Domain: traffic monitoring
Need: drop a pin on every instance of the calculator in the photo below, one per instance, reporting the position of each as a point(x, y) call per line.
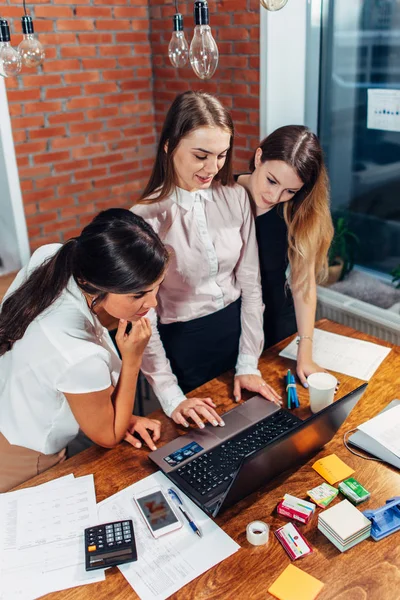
point(110, 544)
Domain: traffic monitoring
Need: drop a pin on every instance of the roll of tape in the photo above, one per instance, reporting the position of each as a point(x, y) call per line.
point(257, 533)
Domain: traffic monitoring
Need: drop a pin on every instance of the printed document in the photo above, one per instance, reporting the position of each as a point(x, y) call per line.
point(347, 355)
point(41, 538)
point(167, 563)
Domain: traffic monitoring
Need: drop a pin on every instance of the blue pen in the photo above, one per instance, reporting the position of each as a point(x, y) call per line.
point(176, 498)
point(295, 396)
point(288, 389)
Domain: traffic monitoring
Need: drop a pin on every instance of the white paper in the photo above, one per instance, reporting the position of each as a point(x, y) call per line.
point(383, 109)
point(41, 538)
point(350, 356)
point(168, 563)
point(385, 429)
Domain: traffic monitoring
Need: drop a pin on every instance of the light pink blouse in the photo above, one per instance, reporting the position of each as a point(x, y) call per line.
point(214, 261)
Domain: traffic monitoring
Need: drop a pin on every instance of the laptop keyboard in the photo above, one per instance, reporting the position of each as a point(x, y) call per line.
point(218, 466)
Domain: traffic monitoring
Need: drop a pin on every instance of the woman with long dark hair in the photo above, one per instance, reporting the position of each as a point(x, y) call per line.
point(210, 308)
point(59, 370)
point(288, 187)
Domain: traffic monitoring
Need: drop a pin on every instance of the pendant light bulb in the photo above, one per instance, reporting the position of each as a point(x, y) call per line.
point(178, 49)
point(30, 49)
point(273, 5)
point(203, 49)
point(10, 60)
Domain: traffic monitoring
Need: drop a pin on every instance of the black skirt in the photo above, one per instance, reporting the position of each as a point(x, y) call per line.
point(202, 348)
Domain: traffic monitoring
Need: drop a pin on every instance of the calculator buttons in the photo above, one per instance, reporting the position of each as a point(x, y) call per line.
point(109, 544)
point(91, 548)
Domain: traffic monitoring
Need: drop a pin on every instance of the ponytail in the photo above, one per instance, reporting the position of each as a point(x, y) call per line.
point(117, 253)
point(37, 293)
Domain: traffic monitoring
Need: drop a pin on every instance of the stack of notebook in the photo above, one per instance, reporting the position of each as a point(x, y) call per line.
point(344, 525)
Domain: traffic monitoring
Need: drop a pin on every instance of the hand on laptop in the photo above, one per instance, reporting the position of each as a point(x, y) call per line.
point(195, 408)
point(255, 383)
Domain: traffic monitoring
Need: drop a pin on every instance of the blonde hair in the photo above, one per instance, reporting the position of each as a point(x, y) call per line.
point(307, 215)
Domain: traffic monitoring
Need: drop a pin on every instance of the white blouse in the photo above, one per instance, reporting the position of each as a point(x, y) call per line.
point(214, 261)
point(65, 349)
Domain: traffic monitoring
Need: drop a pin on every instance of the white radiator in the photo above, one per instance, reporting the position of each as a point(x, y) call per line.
point(365, 317)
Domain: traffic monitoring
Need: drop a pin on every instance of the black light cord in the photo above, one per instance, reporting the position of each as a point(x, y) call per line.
point(345, 437)
point(24, 8)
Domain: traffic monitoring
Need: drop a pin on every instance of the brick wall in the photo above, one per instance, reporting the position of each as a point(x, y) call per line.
point(84, 125)
point(235, 27)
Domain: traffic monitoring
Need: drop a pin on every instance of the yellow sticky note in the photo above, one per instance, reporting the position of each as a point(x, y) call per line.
point(295, 584)
point(332, 468)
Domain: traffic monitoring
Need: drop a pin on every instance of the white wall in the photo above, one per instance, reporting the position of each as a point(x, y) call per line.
point(14, 245)
point(282, 66)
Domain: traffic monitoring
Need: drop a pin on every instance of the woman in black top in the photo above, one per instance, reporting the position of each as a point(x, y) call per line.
point(288, 186)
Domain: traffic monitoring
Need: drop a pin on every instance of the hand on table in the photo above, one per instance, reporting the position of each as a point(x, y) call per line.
point(194, 408)
point(255, 383)
point(305, 368)
point(142, 426)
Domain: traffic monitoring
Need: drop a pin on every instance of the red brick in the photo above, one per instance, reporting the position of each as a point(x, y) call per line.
point(41, 80)
point(73, 166)
point(78, 51)
point(94, 11)
point(116, 50)
point(91, 173)
point(70, 141)
point(56, 203)
point(82, 77)
point(113, 25)
point(23, 95)
point(51, 157)
point(78, 103)
point(74, 188)
point(36, 197)
point(232, 33)
point(96, 38)
point(108, 159)
point(42, 107)
point(66, 117)
point(44, 239)
point(57, 39)
point(78, 210)
point(98, 63)
point(83, 128)
point(52, 181)
point(66, 64)
point(131, 12)
point(88, 151)
point(247, 18)
point(103, 113)
point(59, 225)
point(46, 132)
point(28, 122)
point(64, 92)
point(131, 37)
point(101, 88)
point(76, 25)
point(53, 12)
point(247, 48)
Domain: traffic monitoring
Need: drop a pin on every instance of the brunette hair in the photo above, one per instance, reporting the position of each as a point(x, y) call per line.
point(118, 252)
point(188, 112)
point(307, 215)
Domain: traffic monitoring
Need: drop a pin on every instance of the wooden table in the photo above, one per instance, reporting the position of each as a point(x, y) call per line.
point(370, 570)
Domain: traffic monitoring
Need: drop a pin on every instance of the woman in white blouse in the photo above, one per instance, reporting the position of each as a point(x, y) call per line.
point(210, 310)
point(59, 369)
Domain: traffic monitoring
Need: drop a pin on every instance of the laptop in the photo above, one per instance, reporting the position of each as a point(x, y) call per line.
point(218, 466)
point(368, 444)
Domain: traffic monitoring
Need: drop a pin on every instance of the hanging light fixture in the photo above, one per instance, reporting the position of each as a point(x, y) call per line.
point(30, 49)
point(203, 49)
point(10, 60)
point(178, 49)
point(273, 5)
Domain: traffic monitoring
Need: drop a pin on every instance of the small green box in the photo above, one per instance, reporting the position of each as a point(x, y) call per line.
point(353, 490)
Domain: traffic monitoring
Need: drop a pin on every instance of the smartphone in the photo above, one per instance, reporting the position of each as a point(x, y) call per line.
point(158, 512)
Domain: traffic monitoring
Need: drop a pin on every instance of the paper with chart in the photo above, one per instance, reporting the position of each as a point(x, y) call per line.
point(41, 538)
point(350, 356)
point(168, 563)
point(385, 429)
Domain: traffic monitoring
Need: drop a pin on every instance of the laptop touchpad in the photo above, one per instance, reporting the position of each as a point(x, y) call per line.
point(234, 423)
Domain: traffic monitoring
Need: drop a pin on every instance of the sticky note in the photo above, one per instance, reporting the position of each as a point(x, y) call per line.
point(295, 584)
point(332, 468)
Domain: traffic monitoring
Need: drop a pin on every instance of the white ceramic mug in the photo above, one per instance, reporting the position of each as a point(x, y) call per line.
point(322, 389)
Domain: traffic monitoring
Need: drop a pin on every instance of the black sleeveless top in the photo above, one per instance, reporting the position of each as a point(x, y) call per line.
point(279, 314)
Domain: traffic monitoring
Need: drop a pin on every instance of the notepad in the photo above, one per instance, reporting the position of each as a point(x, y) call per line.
point(295, 584)
point(332, 468)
